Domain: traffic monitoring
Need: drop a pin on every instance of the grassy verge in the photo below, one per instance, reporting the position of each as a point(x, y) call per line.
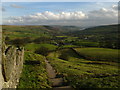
point(81, 73)
point(34, 74)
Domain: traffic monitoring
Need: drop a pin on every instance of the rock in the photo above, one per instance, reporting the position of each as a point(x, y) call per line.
point(12, 64)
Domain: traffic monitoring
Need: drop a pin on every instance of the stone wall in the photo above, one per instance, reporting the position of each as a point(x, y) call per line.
point(11, 66)
point(1, 56)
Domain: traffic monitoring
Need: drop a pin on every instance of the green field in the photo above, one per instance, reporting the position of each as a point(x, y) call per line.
point(34, 74)
point(86, 44)
point(32, 46)
point(25, 31)
point(102, 54)
point(68, 46)
point(82, 73)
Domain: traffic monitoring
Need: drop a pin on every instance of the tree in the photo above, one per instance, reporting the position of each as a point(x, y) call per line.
point(42, 50)
point(64, 56)
point(18, 42)
point(7, 39)
point(27, 40)
point(41, 40)
point(60, 45)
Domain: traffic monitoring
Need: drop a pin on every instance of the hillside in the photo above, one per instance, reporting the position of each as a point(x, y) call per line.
point(29, 31)
point(103, 34)
point(44, 30)
point(62, 30)
point(80, 59)
point(108, 29)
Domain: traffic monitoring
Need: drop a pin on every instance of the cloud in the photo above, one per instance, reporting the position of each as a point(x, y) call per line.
point(103, 13)
point(16, 6)
point(103, 16)
point(115, 7)
point(48, 16)
point(77, 18)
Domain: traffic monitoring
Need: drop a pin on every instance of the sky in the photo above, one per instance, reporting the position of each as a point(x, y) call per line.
point(60, 0)
point(60, 13)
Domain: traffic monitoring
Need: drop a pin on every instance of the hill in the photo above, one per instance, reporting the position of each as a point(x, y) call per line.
point(105, 34)
point(83, 58)
point(108, 29)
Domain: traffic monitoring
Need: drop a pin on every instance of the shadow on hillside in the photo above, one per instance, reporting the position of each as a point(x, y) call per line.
point(71, 52)
point(32, 62)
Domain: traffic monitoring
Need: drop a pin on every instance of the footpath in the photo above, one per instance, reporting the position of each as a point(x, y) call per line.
point(57, 83)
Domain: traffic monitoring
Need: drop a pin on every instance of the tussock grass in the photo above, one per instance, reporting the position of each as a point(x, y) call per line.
point(34, 74)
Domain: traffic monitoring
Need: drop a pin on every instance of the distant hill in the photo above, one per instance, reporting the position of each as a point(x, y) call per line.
point(59, 30)
point(29, 31)
point(68, 28)
point(38, 30)
point(103, 30)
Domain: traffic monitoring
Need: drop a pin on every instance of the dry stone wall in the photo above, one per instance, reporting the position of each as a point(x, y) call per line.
point(11, 66)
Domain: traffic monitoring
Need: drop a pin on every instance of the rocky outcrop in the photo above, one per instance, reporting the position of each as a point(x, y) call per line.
point(11, 66)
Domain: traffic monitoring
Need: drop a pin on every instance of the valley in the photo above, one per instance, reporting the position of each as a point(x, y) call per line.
point(86, 58)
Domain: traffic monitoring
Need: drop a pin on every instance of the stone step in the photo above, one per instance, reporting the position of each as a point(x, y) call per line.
point(57, 82)
point(63, 88)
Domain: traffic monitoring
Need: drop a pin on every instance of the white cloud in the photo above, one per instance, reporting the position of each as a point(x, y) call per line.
point(59, 16)
point(115, 7)
point(104, 13)
point(47, 16)
point(103, 16)
point(78, 18)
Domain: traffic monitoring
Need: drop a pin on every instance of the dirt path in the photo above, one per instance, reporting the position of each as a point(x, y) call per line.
point(56, 82)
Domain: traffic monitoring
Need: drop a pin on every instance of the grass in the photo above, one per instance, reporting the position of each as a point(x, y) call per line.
point(68, 46)
point(33, 46)
point(102, 54)
point(34, 74)
point(98, 68)
point(82, 73)
point(25, 31)
point(86, 44)
point(61, 36)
